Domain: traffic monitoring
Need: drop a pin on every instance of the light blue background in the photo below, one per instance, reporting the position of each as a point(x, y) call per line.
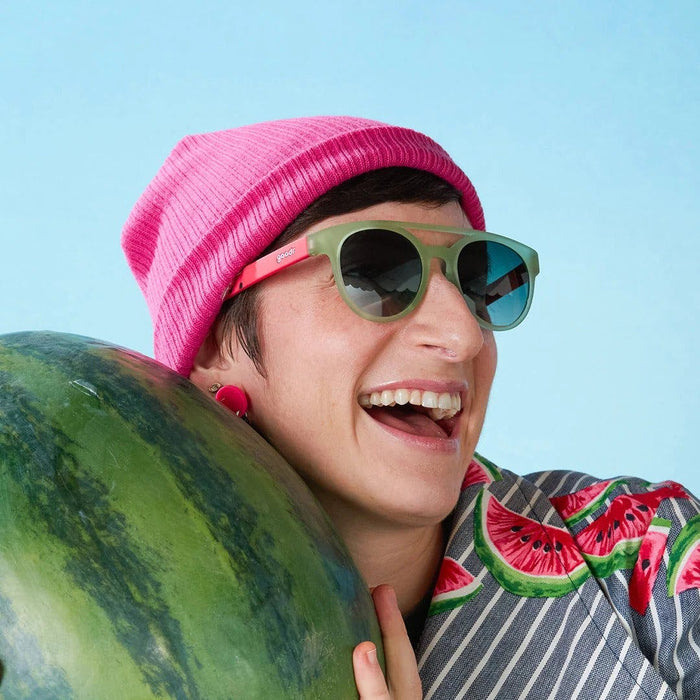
point(578, 123)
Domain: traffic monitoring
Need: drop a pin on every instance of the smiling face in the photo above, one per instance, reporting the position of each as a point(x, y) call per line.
point(332, 377)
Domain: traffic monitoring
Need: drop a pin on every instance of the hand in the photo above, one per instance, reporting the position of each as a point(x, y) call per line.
point(403, 682)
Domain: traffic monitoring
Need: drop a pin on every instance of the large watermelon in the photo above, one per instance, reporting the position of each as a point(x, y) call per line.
point(153, 546)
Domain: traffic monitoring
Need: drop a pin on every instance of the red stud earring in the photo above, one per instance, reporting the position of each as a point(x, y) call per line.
point(232, 397)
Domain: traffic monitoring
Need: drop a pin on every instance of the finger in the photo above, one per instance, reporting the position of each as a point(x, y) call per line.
point(368, 673)
point(402, 671)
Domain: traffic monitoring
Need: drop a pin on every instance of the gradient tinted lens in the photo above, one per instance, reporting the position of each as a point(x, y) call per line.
point(381, 271)
point(495, 281)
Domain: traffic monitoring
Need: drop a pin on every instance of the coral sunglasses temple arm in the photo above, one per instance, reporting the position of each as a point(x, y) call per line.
point(269, 265)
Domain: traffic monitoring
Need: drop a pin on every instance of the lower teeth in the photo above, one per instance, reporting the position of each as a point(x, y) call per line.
point(441, 413)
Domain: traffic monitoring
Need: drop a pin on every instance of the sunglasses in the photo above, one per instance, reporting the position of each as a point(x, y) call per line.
point(382, 270)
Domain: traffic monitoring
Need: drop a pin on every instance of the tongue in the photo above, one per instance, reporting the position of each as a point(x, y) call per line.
point(408, 421)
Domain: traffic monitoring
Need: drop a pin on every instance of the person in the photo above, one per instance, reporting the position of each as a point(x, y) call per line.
point(331, 278)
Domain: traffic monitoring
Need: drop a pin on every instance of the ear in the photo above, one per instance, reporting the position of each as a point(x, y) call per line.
point(211, 364)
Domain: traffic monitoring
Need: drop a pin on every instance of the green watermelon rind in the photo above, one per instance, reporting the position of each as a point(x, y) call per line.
point(518, 582)
point(659, 524)
point(623, 556)
point(687, 540)
point(449, 601)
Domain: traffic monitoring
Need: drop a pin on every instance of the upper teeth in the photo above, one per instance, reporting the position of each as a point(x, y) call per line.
point(441, 406)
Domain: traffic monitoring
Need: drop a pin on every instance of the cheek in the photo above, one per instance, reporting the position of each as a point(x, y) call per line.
point(309, 372)
point(309, 330)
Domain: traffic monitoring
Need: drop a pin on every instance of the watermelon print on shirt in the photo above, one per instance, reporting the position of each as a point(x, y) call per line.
point(589, 642)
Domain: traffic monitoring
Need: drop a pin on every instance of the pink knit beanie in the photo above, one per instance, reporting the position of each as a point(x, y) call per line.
point(221, 198)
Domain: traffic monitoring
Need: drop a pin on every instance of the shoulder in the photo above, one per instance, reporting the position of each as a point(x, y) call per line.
point(557, 482)
point(579, 498)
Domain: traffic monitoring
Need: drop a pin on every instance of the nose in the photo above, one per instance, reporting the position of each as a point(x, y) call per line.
point(442, 323)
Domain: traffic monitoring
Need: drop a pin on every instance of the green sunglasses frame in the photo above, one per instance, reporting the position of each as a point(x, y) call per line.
point(329, 242)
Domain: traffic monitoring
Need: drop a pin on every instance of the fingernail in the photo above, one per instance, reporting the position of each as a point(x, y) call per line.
point(372, 657)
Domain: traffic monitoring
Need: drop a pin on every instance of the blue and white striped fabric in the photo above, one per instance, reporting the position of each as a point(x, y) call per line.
point(587, 643)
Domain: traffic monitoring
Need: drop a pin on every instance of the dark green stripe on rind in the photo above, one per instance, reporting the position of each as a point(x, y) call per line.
point(73, 506)
point(38, 678)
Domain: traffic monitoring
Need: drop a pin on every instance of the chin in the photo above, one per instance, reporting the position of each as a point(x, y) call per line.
point(426, 508)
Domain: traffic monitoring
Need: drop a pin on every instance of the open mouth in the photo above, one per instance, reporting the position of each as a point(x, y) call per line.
point(422, 413)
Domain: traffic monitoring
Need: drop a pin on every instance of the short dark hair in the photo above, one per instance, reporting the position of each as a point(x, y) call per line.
point(395, 184)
